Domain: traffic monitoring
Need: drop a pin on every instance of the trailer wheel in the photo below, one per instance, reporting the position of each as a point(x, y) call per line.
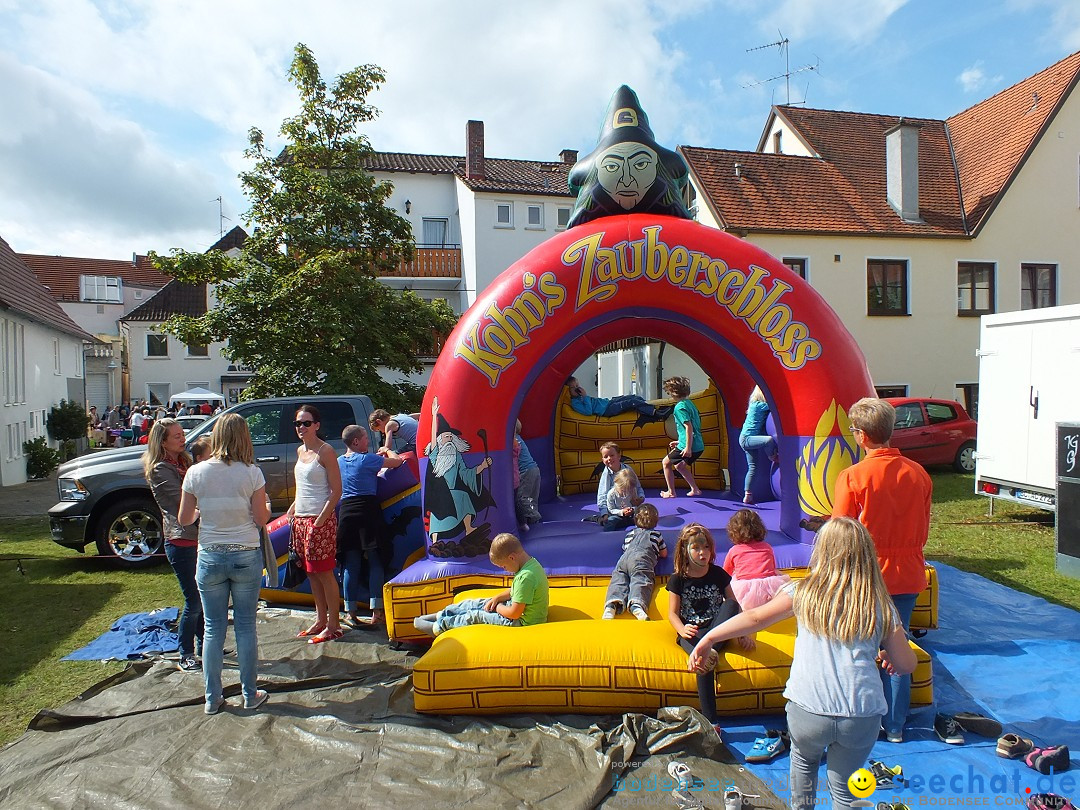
point(965, 458)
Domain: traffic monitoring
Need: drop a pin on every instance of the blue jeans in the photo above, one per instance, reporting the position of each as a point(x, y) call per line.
point(470, 611)
point(846, 742)
point(358, 563)
point(898, 687)
point(751, 445)
point(628, 402)
point(183, 560)
point(219, 575)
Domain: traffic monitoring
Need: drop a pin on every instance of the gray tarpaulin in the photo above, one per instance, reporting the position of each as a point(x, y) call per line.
point(340, 731)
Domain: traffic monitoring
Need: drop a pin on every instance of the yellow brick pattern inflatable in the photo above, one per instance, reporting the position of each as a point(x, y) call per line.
point(579, 663)
point(578, 439)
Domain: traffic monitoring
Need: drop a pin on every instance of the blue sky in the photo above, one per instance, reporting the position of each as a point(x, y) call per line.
point(124, 120)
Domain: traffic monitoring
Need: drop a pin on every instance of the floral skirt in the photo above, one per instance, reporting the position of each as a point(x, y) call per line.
point(317, 546)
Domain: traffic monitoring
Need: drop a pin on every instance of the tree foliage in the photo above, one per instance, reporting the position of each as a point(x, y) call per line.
point(302, 305)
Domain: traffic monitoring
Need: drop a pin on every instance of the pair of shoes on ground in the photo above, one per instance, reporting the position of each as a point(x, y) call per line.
point(1048, 760)
point(767, 748)
point(886, 776)
point(1048, 801)
point(684, 783)
point(950, 728)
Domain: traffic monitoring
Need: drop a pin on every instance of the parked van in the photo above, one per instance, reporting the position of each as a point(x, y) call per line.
point(1029, 380)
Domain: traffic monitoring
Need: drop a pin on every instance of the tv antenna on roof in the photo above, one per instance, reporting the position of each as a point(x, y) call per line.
point(221, 217)
point(782, 44)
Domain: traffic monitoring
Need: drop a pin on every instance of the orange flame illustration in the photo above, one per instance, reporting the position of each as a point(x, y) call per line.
point(831, 450)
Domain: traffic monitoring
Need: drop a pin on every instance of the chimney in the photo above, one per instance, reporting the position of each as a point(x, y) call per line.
point(902, 169)
point(474, 150)
point(568, 156)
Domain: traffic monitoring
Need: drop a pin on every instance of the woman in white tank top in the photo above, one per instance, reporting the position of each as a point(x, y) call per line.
point(314, 523)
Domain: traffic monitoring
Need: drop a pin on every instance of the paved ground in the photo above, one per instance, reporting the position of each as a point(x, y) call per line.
point(32, 499)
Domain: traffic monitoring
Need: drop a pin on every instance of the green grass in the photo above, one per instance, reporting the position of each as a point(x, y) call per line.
point(53, 601)
point(1014, 547)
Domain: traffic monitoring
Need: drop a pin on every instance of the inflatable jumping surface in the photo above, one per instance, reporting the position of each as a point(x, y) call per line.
point(632, 265)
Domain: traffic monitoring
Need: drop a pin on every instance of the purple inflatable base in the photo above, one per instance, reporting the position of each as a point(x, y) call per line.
point(566, 546)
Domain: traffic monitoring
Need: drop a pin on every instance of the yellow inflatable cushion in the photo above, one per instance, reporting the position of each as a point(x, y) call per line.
point(579, 663)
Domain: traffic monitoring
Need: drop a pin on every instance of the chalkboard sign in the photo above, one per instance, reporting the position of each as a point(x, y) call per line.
point(1068, 498)
point(1068, 459)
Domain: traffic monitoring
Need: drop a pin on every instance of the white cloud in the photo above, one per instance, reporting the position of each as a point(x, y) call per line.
point(853, 21)
point(972, 79)
point(72, 167)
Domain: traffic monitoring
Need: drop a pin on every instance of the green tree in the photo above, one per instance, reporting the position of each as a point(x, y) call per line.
point(302, 305)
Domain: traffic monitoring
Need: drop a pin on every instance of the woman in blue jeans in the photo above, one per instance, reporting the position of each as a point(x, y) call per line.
point(228, 492)
point(835, 697)
point(753, 439)
point(164, 464)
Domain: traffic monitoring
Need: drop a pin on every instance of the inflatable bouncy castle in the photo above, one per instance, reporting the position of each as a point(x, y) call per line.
point(632, 265)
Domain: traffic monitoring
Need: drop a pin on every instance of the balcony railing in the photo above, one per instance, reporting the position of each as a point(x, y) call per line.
point(441, 262)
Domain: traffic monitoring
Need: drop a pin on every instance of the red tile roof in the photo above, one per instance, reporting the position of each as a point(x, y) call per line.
point(61, 273)
point(991, 140)
point(21, 292)
point(842, 189)
point(501, 176)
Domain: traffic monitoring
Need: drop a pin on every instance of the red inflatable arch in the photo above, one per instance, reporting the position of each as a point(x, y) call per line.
point(743, 316)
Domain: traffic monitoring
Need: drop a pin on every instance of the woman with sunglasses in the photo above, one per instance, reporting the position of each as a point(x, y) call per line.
point(314, 523)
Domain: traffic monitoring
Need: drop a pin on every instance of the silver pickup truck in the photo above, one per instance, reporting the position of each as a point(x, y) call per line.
point(105, 500)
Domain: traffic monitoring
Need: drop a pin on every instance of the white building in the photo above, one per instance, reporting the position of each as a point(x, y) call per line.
point(161, 365)
point(41, 362)
point(913, 228)
point(96, 293)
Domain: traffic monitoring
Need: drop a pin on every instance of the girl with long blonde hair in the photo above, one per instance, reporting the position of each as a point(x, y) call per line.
point(847, 628)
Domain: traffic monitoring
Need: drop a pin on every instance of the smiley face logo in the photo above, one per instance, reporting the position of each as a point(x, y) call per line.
point(862, 783)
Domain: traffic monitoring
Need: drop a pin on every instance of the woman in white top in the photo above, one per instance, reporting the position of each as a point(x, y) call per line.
point(314, 523)
point(229, 492)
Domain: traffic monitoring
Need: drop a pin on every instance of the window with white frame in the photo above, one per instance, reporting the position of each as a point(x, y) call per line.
point(504, 215)
point(534, 216)
point(562, 217)
point(157, 345)
point(101, 288)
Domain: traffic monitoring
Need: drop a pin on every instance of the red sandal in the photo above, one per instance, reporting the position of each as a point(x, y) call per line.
point(333, 636)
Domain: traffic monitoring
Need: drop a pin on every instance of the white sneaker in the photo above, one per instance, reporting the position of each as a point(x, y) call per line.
point(639, 613)
point(609, 612)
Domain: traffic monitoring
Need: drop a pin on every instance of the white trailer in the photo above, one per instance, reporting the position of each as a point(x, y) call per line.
point(1029, 380)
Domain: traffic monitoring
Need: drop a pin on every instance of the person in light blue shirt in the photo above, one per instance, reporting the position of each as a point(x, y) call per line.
point(601, 406)
point(753, 439)
point(399, 430)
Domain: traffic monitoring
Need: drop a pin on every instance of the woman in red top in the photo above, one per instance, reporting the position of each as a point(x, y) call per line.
point(889, 495)
point(164, 464)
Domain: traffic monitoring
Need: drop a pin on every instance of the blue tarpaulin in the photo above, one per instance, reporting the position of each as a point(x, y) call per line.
point(999, 652)
point(133, 636)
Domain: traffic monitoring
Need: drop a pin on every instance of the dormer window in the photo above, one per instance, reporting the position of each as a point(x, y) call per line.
point(106, 289)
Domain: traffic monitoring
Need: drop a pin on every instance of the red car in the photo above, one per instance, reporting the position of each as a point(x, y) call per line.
point(934, 431)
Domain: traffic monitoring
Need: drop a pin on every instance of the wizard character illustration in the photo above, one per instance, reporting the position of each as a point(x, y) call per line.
point(628, 172)
point(454, 493)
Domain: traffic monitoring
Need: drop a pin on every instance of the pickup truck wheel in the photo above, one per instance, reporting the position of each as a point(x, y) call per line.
point(130, 532)
point(965, 458)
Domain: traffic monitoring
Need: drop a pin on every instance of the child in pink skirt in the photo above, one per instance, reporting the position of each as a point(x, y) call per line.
point(751, 562)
